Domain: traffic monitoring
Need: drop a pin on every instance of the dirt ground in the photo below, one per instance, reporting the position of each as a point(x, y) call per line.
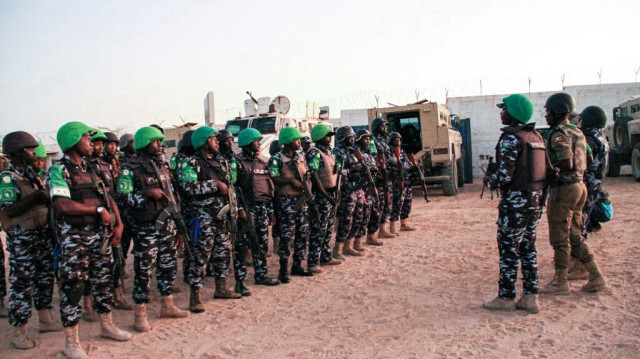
point(418, 296)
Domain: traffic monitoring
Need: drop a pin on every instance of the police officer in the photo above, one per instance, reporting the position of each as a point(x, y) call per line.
point(41, 159)
point(111, 153)
point(305, 142)
point(520, 175)
point(185, 151)
point(4, 312)
point(145, 183)
point(84, 222)
point(256, 192)
point(128, 152)
point(379, 128)
point(352, 198)
point(324, 178)
point(400, 171)
point(225, 152)
point(23, 213)
point(274, 148)
point(373, 207)
point(292, 207)
point(567, 152)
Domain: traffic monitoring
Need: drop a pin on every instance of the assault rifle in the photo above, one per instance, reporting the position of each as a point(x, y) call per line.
point(413, 160)
point(338, 195)
point(251, 224)
point(306, 191)
point(368, 176)
point(230, 210)
point(492, 167)
point(385, 188)
point(396, 152)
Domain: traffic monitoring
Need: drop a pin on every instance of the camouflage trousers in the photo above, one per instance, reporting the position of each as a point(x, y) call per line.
point(215, 242)
point(402, 198)
point(3, 276)
point(294, 226)
point(275, 227)
point(586, 213)
point(321, 232)
point(517, 243)
point(31, 272)
point(370, 205)
point(152, 246)
point(377, 212)
point(81, 261)
point(349, 214)
point(385, 212)
point(259, 249)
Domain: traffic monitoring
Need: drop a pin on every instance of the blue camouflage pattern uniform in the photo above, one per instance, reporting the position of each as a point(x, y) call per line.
point(152, 244)
point(121, 201)
point(185, 208)
point(372, 206)
point(228, 156)
point(599, 147)
point(321, 229)
point(30, 256)
point(382, 147)
point(350, 209)
point(3, 276)
point(519, 212)
point(81, 259)
point(402, 196)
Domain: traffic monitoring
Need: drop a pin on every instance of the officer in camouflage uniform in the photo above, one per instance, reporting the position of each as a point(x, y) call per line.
point(23, 214)
point(255, 190)
point(3, 283)
point(352, 198)
point(292, 207)
point(324, 177)
point(204, 182)
point(274, 148)
point(110, 154)
point(520, 175)
point(567, 152)
point(372, 206)
point(379, 128)
point(145, 183)
point(86, 217)
point(185, 151)
point(41, 159)
point(128, 153)
point(305, 142)
point(400, 171)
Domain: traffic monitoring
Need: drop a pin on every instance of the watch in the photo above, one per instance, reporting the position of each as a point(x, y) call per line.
point(99, 209)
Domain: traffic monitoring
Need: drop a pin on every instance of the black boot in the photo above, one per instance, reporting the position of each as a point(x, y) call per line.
point(283, 276)
point(240, 288)
point(195, 306)
point(267, 281)
point(296, 269)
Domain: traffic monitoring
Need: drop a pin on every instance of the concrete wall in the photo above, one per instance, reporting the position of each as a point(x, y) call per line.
point(485, 116)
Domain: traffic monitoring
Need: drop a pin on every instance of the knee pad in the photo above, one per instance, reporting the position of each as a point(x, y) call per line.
point(74, 290)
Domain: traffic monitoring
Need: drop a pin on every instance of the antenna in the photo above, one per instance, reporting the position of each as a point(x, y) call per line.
point(600, 76)
point(417, 95)
point(378, 98)
point(562, 79)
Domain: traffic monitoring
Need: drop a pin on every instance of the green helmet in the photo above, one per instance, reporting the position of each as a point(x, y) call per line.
point(320, 131)
point(71, 132)
point(248, 135)
point(288, 135)
point(519, 107)
point(41, 152)
point(200, 136)
point(144, 136)
point(99, 136)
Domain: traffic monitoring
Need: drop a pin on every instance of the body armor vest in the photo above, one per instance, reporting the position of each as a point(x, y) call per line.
point(144, 173)
point(34, 217)
point(107, 176)
point(256, 185)
point(85, 188)
point(287, 172)
point(327, 174)
point(530, 168)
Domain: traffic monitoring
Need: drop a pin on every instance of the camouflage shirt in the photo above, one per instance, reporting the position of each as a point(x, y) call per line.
point(10, 191)
point(315, 162)
point(346, 161)
point(203, 192)
point(599, 149)
point(566, 142)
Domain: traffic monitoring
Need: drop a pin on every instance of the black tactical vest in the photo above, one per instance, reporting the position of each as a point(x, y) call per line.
point(145, 177)
point(530, 169)
point(256, 184)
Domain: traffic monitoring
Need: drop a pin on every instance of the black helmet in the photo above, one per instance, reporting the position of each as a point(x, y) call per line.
point(393, 135)
point(305, 140)
point(377, 122)
point(593, 116)
point(345, 132)
point(223, 135)
point(16, 141)
point(124, 140)
point(186, 138)
point(112, 137)
point(560, 103)
point(274, 147)
point(362, 133)
point(158, 127)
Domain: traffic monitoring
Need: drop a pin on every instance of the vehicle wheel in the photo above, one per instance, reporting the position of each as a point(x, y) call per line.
point(450, 187)
point(613, 169)
point(621, 135)
point(460, 165)
point(635, 162)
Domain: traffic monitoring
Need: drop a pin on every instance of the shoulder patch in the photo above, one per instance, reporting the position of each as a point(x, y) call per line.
point(125, 183)
point(57, 183)
point(8, 191)
point(558, 138)
point(505, 144)
point(187, 174)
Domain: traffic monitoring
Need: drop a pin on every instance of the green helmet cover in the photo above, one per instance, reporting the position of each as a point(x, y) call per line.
point(145, 135)
point(41, 152)
point(70, 134)
point(248, 135)
point(288, 135)
point(199, 136)
point(318, 132)
point(99, 136)
point(519, 107)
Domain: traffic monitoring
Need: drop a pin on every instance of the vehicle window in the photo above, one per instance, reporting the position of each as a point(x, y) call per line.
point(408, 125)
point(235, 126)
point(624, 111)
point(264, 124)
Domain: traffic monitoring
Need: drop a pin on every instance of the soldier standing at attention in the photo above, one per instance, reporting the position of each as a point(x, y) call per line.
point(305, 142)
point(400, 170)
point(23, 213)
point(379, 128)
point(292, 207)
point(567, 152)
point(520, 156)
point(372, 206)
point(128, 152)
point(41, 159)
point(256, 192)
point(324, 178)
point(110, 154)
point(145, 183)
point(274, 148)
point(84, 219)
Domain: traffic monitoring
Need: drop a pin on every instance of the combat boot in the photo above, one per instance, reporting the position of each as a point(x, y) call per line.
point(47, 324)
point(596, 281)
point(296, 269)
point(501, 304)
point(372, 239)
point(109, 330)
point(240, 288)
point(72, 349)
point(119, 302)
point(168, 310)
point(316, 270)
point(222, 292)
point(283, 276)
point(357, 244)
point(393, 228)
point(559, 285)
point(349, 251)
point(20, 338)
point(337, 251)
point(528, 303)
point(578, 272)
point(195, 306)
point(4, 312)
point(88, 313)
point(404, 225)
point(140, 322)
point(384, 233)
point(331, 262)
point(268, 281)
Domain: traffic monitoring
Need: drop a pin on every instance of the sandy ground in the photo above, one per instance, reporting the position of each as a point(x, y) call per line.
point(418, 296)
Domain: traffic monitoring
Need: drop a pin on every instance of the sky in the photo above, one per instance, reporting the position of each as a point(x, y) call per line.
point(127, 64)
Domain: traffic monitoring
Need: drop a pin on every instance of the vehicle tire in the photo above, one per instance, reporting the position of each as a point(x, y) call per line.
point(621, 135)
point(450, 187)
point(460, 165)
point(635, 162)
point(613, 169)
